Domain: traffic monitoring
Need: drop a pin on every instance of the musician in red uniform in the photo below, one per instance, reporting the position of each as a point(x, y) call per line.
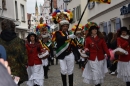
point(123, 68)
point(96, 66)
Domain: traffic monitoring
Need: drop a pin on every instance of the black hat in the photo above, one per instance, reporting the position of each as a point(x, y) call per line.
point(93, 27)
point(30, 34)
point(124, 29)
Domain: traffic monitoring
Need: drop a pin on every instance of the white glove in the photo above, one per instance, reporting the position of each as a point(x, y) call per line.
point(72, 36)
point(43, 54)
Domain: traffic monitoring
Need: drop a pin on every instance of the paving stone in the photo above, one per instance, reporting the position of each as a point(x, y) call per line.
point(54, 78)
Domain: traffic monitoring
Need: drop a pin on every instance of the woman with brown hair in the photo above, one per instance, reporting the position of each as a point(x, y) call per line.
point(35, 68)
point(114, 60)
point(123, 67)
point(96, 66)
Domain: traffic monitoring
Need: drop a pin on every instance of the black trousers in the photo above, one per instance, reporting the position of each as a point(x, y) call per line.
point(113, 67)
point(45, 71)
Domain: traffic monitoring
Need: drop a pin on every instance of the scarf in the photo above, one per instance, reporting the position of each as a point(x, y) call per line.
point(8, 35)
point(125, 37)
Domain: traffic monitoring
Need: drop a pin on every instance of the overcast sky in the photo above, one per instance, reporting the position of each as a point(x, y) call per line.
point(31, 5)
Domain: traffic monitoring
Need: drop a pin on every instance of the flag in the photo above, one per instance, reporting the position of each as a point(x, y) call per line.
point(105, 1)
point(102, 1)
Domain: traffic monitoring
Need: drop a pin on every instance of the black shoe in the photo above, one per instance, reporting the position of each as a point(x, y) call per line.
point(71, 80)
point(52, 62)
point(46, 77)
point(98, 85)
point(64, 80)
point(56, 61)
point(36, 85)
point(127, 83)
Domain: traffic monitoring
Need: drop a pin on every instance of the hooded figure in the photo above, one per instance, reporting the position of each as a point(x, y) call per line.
point(15, 48)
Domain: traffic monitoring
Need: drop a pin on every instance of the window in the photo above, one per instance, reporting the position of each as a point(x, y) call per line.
point(101, 27)
point(105, 27)
point(109, 26)
point(63, 5)
point(113, 26)
point(78, 12)
point(16, 10)
point(73, 15)
point(22, 13)
point(118, 23)
point(4, 4)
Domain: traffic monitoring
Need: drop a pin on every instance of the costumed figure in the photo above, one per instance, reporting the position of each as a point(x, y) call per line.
point(79, 42)
point(45, 29)
point(44, 32)
point(35, 53)
point(15, 49)
point(54, 44)
point(64, 47)
point(123, 50)
point(96, 67)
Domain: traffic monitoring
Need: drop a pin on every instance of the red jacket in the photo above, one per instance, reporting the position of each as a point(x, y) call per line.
point(123, 43)
point(33, 50)
point(97, 48)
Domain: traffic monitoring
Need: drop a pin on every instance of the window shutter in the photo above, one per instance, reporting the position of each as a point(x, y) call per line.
point(73, 15)
point(109, 26)
point(77, 12)
point(118, 24)
point(129, 8)
point(105, 27)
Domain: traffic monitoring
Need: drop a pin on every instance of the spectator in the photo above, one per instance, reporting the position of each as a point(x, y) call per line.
point(105, 36)
point(15, 48)
point(115, 61)
point(5, 78)
point(109, 38)
point(2, 52)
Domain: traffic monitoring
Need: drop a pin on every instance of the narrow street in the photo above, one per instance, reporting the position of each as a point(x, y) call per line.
point(55, 78)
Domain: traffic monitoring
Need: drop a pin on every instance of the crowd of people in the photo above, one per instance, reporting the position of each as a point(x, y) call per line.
point(29, 60)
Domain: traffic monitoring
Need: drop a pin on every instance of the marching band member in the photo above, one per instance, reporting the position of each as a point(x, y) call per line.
point(64, 50)
point(45, 61)
point(96, 66)
point(123, 67)
point(80, 43)
point(35, 68)
point(43, 29)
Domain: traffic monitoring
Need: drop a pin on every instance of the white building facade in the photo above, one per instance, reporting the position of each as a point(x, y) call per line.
point(46, 11)
point(77, 7)
point(15, 10)
point(8, 13)
point(110, 17)
point(61, 5)
point(21, 16)
point(35, 17)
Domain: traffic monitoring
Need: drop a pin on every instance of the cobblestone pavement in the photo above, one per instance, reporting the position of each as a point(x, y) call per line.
point(55, 78)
